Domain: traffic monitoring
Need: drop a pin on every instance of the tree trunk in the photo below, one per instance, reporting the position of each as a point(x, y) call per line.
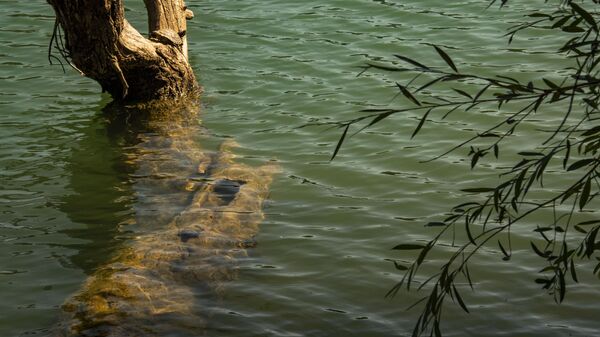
point(196, 214)
point(102, 45)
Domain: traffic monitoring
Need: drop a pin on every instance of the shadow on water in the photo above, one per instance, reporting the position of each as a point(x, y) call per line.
point(101, 198)
point(175, 217)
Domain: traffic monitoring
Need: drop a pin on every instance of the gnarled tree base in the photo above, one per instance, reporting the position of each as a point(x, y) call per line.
point(102, 45)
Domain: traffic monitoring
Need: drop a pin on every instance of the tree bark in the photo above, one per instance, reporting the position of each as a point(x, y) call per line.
point(196, 214)
point(102, 45)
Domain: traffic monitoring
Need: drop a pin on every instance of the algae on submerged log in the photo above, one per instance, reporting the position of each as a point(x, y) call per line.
point(196, 210)
point(155, 283)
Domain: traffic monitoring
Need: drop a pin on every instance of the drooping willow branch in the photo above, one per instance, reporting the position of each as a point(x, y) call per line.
point(571, 149)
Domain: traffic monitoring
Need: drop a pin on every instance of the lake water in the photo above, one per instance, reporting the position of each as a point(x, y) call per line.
point(322, 263)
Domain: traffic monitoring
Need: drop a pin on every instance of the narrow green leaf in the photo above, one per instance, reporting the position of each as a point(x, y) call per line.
point(469, 235)
point(380, 117)
point(538, 102)
point(407, 94)
point(384, 67)
point(497, 197)
point(590, 242)
point(399, 266)
point(539, 15)
point(454, 77)
point(538, 251)
point(585, 194)
point(408, 246)
point(421, 122)
point(465, 204)
point(423, 253)
point(592, 131)
point(459, 299)
point(592, 103)
point(562, 285)
point(566, 160)
point(570, 191)
point(550, 84)
point(573, 29)
point(436, 329)
point(413, 62)
point(489, 135)
point(521, 163)
point(510, 79)
point(573, 272)
point(339, 144)
point(463, 93)
point(451, 111)
point(411, 273)
point(468, 275)
point(446, 58)
point(584, 14)
point(519, 183)
point(526, 153)
point(426, 85)
point(542, 166)
point(580, 163)
point(478, 190)
point(506, 255)
point(562, 21)
point(481, 92)
point(476, 156)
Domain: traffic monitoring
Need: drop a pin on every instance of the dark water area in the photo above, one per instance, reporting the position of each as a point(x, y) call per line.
point(320, 264)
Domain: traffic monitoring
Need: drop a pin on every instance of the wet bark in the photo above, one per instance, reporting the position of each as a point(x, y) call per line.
point(102, 45)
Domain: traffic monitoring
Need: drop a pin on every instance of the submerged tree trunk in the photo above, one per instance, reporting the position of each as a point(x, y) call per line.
point(196, 214)
point(102, 45)
point(196, 211)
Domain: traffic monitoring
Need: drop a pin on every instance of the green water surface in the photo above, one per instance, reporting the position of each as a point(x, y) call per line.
point(321, 267)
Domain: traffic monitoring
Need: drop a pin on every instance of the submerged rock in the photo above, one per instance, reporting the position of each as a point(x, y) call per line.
point(187, 234)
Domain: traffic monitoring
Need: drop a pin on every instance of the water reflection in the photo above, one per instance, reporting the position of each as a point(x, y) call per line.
point(101, 196)
point(190, 215)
